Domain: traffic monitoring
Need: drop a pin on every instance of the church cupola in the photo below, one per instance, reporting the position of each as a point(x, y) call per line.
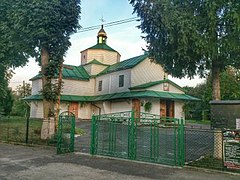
point(102, 36)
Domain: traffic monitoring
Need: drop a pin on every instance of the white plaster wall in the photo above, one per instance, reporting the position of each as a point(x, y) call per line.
point(80, 88)
point(178, 109)
point(36, 110)
point(106, 107)
point(145, 72)
point(63, 107)
point(95, 110)
point(155, 105)
point(111, 82)
point(36, 86)
point(85, 111)
point(121, 106)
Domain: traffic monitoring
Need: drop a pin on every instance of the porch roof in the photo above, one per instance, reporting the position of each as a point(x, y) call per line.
point(122, 95)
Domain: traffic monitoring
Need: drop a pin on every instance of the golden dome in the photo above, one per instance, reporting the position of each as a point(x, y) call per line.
point(102, 33)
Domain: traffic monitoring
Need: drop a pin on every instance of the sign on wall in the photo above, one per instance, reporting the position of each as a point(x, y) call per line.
point(231, 149)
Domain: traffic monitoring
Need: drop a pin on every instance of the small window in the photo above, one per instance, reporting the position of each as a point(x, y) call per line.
point(121, 80)
point(100, 86)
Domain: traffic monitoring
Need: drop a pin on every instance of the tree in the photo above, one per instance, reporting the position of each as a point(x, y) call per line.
point(20, 107)
point(13, 51)
point(230, 90)
point(6, 103)
point(191, 37)
point(47, 26)
point(24, 90)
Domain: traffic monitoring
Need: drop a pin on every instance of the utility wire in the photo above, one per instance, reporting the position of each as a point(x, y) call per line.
point(113, 23)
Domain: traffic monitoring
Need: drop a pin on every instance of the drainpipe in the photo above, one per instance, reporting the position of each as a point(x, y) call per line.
point(99, 109)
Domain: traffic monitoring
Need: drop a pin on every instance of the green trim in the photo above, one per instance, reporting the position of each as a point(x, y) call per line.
point(150, 84)
point(126, 64)
point(122, 95)
point(70, 72)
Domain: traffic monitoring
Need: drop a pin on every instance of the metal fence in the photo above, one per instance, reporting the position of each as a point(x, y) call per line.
point(211, 149)
point(14, 129)
point(144, 137)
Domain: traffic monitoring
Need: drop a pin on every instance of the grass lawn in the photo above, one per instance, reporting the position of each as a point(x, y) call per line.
point(13, 129)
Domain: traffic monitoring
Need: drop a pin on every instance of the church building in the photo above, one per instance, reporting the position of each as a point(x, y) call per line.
point(103, 84)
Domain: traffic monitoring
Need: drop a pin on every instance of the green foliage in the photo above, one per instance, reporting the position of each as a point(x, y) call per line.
point(13, 51)
point(187, 36)
point(24, 90)
point(230, 90)
point(6, 103)
point(47, 24)
point(190, 37)
point(33, 25)
point(20, 107)
point(147, 106)
point(230, 84)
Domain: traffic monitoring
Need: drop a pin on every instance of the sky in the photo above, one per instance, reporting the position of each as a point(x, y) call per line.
point(125, 38)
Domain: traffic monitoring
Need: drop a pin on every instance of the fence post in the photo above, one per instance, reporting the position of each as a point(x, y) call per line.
point(93, 130)
point(182, 143)
point(218, 144)
point(132, 138)
point(181, 150)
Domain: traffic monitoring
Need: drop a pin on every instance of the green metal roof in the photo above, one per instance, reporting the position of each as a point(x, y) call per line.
point(126, 64)
point(122, 95)
point(102, 46)
point(150, 84)
point(70, 72)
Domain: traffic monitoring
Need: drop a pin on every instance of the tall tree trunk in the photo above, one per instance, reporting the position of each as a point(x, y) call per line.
point(58, 94)
point(216, 82)
point(44, 63)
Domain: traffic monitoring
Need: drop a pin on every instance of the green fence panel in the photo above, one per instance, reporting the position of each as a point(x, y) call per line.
point(146, 138)
point(66, 132)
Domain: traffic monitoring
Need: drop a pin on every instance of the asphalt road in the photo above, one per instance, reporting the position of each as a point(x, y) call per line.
point(21, 162)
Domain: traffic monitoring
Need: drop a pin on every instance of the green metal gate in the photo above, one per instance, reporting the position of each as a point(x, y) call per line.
point(65, 134)
point(147, 138)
